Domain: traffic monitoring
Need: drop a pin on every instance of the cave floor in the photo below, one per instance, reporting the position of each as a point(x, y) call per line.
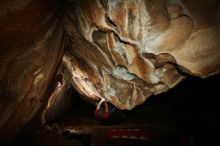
point(181, 117)
point(74, 129)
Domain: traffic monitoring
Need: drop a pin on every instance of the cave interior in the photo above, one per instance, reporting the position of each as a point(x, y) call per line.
point(109, 72)
point(184, 116)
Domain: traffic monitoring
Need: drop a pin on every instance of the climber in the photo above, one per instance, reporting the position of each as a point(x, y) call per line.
point(104, 110)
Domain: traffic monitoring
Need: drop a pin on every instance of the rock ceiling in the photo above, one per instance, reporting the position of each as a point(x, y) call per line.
point(116, 51)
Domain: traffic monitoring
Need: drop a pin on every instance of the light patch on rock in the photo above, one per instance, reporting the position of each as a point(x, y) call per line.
point(154, 78)
point(118, 48)
point(123, 73)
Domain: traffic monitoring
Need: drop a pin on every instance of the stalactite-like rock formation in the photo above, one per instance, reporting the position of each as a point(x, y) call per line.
point(125, 51)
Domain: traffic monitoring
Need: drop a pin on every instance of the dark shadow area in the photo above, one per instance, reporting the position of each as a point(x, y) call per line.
point(187, 115)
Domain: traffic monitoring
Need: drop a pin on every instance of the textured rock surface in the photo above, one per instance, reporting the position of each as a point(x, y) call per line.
point(125, 51)
point(122, 51)
point(31, 43)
